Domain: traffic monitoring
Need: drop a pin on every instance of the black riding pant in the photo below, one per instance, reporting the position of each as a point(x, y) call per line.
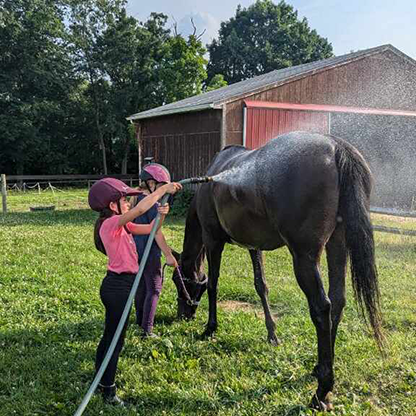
point(114, 292)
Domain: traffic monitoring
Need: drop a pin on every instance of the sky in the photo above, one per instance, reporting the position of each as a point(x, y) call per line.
point(348, 25)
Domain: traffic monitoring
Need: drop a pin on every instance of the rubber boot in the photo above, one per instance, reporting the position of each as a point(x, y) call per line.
point(110, 396)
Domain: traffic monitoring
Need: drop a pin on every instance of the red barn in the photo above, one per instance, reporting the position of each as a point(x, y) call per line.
point(366, 97)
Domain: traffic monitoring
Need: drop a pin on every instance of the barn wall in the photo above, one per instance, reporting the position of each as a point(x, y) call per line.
point(185, 143)
point(264, 124)
point(380, 81)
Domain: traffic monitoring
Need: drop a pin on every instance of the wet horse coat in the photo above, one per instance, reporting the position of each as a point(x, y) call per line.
point(301, 190)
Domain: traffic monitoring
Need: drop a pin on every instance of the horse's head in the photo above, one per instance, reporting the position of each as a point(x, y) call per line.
point(191, 284)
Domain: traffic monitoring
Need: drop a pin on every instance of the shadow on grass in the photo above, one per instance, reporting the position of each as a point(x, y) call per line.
point(185, 404)
point(51, 369)
point(165, 319)
point(44, 369)
point(51, 218)
point(405, 246)
point(65, 217)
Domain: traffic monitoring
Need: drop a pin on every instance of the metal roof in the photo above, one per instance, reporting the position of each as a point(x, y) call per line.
point(216, 98)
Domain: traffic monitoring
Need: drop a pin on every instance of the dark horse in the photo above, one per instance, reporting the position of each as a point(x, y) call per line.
point(301, 190)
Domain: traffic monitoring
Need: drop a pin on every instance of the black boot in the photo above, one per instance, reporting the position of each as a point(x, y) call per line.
point(110, 396)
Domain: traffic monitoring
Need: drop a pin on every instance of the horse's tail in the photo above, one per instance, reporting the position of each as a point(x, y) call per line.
point(355, 181)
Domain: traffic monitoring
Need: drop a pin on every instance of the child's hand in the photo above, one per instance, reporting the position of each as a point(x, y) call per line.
point(171, 261)
point(172, 187)
point(163, 209)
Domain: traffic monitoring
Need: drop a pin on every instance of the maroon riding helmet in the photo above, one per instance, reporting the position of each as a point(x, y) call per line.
point(155, 172)
point(108, 190)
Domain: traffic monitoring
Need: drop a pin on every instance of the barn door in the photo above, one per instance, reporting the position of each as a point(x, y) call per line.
point(264, 124)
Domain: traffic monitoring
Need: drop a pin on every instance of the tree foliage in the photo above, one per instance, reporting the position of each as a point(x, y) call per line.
point(71, 71)
point(217, 81)
point(262, 38)
point(35, 78)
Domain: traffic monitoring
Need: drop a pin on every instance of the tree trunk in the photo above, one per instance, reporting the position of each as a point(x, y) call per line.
point(97, 123)
point(125, 157)
point(102, 144)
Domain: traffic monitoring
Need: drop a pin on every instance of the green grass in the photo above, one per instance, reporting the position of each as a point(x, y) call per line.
point(51, 320)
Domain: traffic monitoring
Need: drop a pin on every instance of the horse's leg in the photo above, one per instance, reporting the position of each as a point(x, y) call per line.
point(262, 290)
point(214, 252)
point(309, 279)
point(336, 253)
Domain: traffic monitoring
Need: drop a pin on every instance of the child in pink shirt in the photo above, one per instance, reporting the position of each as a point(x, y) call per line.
point(113, 237)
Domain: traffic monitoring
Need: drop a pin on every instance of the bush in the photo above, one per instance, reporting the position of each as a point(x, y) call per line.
point(181, 203)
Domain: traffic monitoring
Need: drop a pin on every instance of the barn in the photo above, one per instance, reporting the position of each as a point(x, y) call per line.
point(366, 97)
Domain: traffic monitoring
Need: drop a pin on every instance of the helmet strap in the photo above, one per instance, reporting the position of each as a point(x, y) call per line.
point(148, 187)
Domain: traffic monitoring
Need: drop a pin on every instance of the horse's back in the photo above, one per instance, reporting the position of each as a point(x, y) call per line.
point(268, 194)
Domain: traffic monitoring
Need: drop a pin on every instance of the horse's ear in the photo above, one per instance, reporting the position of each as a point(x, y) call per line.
point(176, 255)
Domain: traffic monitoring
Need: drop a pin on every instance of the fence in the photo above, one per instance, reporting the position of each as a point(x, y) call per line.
point(23, 183)
point(4, 192)
point(47, 182)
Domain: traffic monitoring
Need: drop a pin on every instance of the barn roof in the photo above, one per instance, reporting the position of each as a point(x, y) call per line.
point(216, 98)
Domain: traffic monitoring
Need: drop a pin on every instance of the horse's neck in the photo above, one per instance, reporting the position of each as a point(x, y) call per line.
point(193, 250)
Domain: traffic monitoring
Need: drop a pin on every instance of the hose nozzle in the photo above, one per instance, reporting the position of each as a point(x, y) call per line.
point(202, 179)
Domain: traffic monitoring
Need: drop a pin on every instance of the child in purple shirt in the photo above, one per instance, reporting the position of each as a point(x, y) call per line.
point(154, 176)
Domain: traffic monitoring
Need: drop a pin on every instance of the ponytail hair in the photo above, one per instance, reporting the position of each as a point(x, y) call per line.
point(104, 214)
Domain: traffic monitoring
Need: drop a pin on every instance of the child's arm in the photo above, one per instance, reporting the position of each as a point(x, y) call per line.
point(163, 245)
point(140, 229)
point(148, 202)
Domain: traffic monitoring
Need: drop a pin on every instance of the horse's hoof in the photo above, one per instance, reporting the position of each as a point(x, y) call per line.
point(188, 318)
point(207, 334)
point(322, 406)
point(274, 341)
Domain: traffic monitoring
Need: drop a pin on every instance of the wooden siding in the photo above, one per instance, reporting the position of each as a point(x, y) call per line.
point(381, 81)
point(184, 143)
point(264, 124)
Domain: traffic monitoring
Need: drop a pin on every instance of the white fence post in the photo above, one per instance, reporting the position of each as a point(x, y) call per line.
point(4, 193)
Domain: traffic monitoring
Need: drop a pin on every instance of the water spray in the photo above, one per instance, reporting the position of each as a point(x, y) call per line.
point(132, 294)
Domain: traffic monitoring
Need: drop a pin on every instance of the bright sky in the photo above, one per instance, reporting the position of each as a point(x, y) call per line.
point(348, 25)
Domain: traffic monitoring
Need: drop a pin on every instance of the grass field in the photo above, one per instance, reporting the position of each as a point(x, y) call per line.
point(51, 320)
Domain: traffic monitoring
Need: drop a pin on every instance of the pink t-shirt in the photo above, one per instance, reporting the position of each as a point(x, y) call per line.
point(120, 247)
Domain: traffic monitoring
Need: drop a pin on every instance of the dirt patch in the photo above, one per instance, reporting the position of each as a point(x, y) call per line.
point(238, 306)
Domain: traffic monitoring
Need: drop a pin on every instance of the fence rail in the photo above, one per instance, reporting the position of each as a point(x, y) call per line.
point(35, 181)
point(25, 182)
point(4, 193)
point(30, 179)
point(41, 183)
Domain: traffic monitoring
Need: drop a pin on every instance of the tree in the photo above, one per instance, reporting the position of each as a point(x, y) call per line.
point(262, 38)
point(217, 81)
point(35, 80)
point(182, 69)
point(147, 66)
point(71, 71)
point(89, 19)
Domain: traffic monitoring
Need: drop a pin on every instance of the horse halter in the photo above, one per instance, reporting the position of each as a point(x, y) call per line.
point(188, 299)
